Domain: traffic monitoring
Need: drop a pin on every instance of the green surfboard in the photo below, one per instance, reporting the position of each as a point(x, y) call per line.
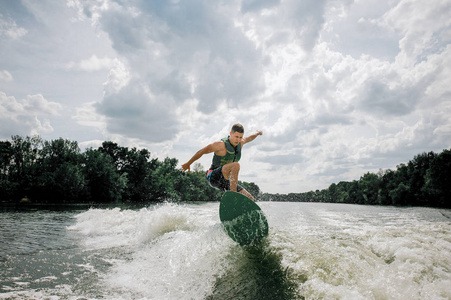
point(242, 218)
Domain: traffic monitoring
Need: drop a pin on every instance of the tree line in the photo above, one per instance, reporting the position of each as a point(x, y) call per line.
point(423, 181)
point(58, 172)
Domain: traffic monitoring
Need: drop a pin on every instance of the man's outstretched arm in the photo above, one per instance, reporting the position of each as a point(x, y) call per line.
point(252, 137)
point(208, 149)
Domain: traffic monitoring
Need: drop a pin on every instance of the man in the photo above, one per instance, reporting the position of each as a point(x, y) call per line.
point(223, 173)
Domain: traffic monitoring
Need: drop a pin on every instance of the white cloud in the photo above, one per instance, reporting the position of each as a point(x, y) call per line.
point(118, 78)
point(93, 64)
point(37, 104)
point(422, 26)
point(5, 76)
point(9, 28)
point(86, 116)
point(37, 127)
point(23, 117)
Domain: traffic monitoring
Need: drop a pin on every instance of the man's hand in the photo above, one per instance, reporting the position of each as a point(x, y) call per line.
point(186, 167)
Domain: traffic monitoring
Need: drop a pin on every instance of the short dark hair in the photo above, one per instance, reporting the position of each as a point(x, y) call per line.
point(238, 128)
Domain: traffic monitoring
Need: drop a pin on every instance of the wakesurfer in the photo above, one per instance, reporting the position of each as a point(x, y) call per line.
point(223, 173)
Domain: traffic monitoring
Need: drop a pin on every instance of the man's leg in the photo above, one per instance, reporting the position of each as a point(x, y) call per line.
point(230, 172)
point(247, 194)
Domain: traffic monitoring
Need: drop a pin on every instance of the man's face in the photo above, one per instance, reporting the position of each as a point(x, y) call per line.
point(235, 138)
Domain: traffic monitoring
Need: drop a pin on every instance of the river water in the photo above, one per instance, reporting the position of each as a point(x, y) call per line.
point(179, 251)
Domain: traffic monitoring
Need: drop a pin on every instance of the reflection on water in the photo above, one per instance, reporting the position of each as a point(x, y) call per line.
point(256, 272)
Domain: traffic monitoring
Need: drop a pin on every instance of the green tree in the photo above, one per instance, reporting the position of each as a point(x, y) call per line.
point(417, 170)
point(369, 187)
point(104, 184)
point(333, 193)
point(400, 194)
point(118, 154)
point(60, 175)
point(6, 186)
point(69, 183)
point(6, 153)
point(140, 171)
point(387, 184)
point(23, 169)
point(438, 180)
point(167, 180)
point(198, 168)
point(194, 187)
point(355, 195)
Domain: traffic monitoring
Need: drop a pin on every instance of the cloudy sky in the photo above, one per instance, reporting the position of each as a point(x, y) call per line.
point(338, 87)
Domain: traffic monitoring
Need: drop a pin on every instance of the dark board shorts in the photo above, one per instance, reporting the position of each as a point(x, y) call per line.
point(216, 179)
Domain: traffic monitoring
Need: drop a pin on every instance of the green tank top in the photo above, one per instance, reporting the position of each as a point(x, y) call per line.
point(233, 155)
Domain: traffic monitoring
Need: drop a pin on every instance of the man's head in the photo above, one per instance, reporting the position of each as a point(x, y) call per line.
point(236, 134)
point(237, 128)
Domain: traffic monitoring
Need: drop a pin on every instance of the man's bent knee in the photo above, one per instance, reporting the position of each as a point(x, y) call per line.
point(231, 170)
point(235, 165)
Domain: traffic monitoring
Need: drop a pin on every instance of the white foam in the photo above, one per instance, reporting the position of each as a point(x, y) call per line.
point(106, 228)
point(356, 255)
point(175, 251)
point(333, 252)
point(179, 265)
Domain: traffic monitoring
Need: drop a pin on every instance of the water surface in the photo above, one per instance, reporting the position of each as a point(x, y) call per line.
point(179, 251)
